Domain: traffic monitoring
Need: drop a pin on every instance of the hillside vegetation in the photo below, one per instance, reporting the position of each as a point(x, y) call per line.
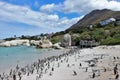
point(107, 35)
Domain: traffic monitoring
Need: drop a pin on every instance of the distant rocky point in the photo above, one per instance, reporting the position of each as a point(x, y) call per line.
point(41, 43)
point(46, 43)
point(15, 43)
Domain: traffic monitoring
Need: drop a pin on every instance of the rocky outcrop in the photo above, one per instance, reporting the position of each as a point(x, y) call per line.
point(35, 42)
point(45, 44)
point(15, 43)
point(41, 43)
point(57, 46)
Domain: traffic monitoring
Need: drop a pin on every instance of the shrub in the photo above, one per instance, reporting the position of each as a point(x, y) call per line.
point(111, 41)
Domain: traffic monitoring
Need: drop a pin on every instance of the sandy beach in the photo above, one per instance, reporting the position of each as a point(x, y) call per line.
point(98, 63)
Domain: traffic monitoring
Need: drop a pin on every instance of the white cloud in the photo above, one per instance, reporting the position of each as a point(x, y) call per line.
point(64, 21)
point(81, 6)
point(23, 14)
point(85, 6)
point(48, 7)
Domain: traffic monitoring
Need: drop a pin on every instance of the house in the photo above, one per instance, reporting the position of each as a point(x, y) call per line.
point(107, 21)
point(88, 43)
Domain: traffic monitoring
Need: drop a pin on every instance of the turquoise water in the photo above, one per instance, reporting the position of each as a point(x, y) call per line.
point(22, 55)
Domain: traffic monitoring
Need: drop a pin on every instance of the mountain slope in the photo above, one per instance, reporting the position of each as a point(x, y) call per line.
point(95, 17)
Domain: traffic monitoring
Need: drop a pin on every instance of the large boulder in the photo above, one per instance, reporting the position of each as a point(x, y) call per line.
point(45, 44)
point(66, 40)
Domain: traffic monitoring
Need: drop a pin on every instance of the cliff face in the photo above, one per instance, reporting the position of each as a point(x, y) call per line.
point(95, 17)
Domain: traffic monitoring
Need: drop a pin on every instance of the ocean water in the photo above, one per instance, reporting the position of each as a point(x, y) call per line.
point(22, 55)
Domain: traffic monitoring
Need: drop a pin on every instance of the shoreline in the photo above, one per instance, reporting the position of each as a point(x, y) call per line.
point(23, 55)
point(74, 65)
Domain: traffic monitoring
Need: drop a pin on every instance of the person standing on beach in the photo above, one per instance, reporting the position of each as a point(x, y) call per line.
point(86, 69)
point(10, 72)
point(19, 74)
point(114, 58)
point(105, 69)
point(52, 69)
point(115, 70)
point(0, 77)
point(75, 73)
point(58, 64)
point(37, 78)
point(80, 64)
point(17, 67)
point(117, 76)
point(14, 77)
point(93, 76)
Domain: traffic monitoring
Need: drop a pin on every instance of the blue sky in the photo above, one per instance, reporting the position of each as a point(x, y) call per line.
point(31, 17)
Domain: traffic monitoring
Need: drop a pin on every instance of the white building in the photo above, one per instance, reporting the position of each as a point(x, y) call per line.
point(107, 21)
